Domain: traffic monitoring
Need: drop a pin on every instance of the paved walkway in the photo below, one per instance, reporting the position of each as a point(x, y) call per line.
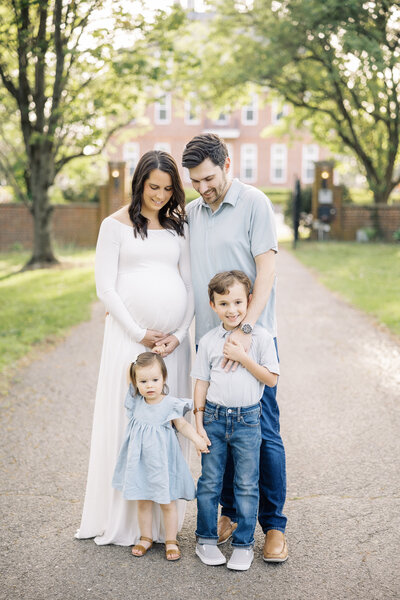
point(339, 395)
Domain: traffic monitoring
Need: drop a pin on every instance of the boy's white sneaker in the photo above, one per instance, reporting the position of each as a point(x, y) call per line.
point(210, 554)
point(241, 559)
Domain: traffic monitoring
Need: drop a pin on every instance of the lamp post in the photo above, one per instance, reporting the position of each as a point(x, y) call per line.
point(116, 185)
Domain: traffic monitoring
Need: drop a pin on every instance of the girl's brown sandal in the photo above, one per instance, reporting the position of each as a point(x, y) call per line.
point(141, 548)
point(171, 551)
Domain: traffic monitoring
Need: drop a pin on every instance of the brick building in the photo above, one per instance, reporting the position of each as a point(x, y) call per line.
point(261, 161)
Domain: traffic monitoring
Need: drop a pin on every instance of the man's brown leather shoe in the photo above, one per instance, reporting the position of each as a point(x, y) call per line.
point(275, 548)
point(225, 529)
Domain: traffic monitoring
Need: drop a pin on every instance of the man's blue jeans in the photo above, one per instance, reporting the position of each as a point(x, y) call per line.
point(239, 430)
point(272, 470)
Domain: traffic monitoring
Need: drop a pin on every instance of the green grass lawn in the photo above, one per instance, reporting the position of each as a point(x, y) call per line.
point(367, 275)
point(42, 304)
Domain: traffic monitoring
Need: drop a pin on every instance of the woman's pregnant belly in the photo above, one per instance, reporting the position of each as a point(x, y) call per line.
point(156, 299)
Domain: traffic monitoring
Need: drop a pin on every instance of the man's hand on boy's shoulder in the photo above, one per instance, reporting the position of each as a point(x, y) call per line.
point(234, 352)
point(243, 340)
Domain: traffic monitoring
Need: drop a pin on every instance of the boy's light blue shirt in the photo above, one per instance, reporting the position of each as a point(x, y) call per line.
point(235, 388)
point(240, 229)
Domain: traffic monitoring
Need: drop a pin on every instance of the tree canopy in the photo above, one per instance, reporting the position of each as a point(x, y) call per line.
point(336, 62)
point(71, 73)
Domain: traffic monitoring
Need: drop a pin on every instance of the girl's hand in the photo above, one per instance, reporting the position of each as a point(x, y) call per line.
point(234, 351)
point(202, 445)
point(152, 336)
point(203, 434)
point(168, 344)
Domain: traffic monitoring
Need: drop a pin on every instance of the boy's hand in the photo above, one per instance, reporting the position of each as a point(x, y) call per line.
point(203, 434)
point(202, 445)
point(234, 351)
point(244, 339)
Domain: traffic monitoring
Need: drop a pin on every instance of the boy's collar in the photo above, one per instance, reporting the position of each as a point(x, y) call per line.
point(222, 332)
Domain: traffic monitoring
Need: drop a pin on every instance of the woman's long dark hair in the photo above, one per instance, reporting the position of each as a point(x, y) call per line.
point(172, 215)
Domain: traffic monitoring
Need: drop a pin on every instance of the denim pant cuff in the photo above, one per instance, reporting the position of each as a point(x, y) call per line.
point(208, 541)
point(277, 527)
point(243, 546)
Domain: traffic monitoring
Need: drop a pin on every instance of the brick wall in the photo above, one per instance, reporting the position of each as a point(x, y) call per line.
point(71, 224)
point(355, 217)
point(78, 223)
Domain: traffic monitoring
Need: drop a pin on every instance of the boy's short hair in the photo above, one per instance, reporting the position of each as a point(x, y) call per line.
point(201, 147)
point(221, 282)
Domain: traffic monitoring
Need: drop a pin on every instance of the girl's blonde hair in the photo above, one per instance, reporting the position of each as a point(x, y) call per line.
point(145, 359)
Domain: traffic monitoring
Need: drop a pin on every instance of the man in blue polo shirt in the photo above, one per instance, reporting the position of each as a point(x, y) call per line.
point(232, 226)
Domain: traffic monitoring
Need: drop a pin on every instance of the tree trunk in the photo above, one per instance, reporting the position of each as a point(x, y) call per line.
point(381, 196)
point(41, 210)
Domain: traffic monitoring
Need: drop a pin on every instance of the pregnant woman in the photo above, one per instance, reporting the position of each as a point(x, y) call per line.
point(143, 278)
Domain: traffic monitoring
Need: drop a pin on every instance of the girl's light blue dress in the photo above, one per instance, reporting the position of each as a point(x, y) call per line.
point(150, 464)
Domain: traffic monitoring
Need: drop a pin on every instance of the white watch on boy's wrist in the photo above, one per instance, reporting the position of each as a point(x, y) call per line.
point(246, 328)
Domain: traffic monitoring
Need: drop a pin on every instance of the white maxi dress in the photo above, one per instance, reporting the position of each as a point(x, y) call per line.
point(144, 284)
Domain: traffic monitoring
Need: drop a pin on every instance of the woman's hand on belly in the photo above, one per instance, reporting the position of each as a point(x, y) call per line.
point(166, 345)
point(152, 337)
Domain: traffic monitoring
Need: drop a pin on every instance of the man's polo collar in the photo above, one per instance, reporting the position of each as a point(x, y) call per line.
point(231, 195)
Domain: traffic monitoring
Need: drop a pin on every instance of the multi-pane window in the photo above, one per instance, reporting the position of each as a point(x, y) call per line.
point(309, 155)
point(278, 111)
point(162, 110)
point(222, 119)
point(278, 163)
point(250, 112)
point(192, 113)
point(164, 146)
point(248, 162)
point(131, 153)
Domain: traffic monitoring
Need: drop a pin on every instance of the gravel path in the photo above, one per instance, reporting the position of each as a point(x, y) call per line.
point(339, 395)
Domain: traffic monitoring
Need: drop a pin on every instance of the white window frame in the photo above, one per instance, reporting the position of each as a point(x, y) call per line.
point(192, 117)
point(278, 112)
point(250, 108)
point(131, 155)
point(163, 104)
point(163, 146)
point(248, 152)
point(223, 119)
point(278, 161)
point(310, 154)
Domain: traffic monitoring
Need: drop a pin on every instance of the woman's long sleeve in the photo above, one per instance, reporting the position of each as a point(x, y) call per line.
point(186, 274)
point(106, 273)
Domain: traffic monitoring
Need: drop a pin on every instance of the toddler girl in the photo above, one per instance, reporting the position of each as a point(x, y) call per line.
point(150, 466)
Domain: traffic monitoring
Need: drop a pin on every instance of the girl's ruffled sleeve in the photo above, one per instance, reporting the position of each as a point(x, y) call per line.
point(179, 407)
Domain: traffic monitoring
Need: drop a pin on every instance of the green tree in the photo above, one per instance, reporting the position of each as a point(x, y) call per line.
point(71, 74)
point(337, 63)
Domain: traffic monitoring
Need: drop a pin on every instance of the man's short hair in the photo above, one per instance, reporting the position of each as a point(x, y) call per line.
point(221, 282)
point(206, 145)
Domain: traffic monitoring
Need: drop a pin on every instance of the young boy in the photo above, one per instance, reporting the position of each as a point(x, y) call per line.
point(227, 412)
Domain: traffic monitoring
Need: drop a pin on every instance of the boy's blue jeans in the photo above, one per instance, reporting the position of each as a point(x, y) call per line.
point(272, 470)
point(236, 429)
